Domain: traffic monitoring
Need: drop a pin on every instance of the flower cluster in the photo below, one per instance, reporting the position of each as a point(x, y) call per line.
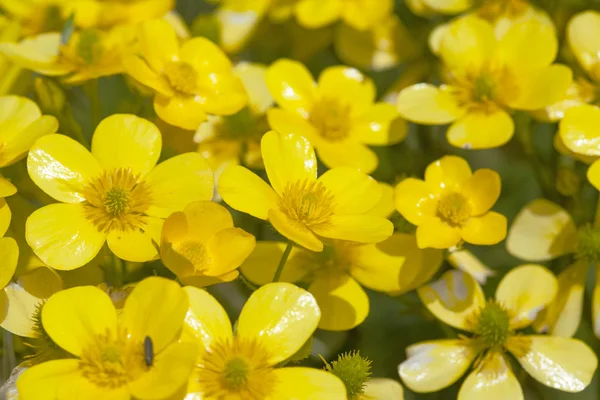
point(299, 199)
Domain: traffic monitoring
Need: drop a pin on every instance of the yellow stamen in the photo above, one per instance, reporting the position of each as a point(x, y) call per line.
point(181, 76)
point(308, 202)
point(454, 209)
point(331, 117)
point(194, 251)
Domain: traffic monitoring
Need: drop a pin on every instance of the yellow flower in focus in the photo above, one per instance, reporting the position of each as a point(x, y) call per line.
point(457, 300)
point(88, 54)
point(110, 355)
point(487, 78)
point(338, 115)
point(335, 275)
point(190, 80)
point(226, 140)
point(452, 205)
point(276, 321)
point(301, 207)
point(201, 246)
point(116, 193)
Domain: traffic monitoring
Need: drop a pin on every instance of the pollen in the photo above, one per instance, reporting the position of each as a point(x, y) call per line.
point(454, 209)
point(308, 202)
point(331, 117)
point(181, 76)
point(492, 325)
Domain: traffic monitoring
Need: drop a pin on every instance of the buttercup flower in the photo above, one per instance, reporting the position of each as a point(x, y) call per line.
point(109, 351)
point(190, 80)
point(300, 206)
point(361, 14)
point(201, 246)
point(452, 205)
point(457, 300)
point(338, 115)
point(486, 78)
point(115, 193)
point(335, 275)
point(274, 324)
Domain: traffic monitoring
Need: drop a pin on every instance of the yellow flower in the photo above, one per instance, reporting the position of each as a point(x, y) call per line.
point(457, 300)
point(88, 54)
point(201, 246)
point(338, 115)
point(276, 321)
point(300, 206)
point(359, 14)
point(486, 78)
point(190, 80)
point(452, 205)
point(110, 355)
point(382, 389)
point(225, 140)
point(335, 275)
point(116, 193)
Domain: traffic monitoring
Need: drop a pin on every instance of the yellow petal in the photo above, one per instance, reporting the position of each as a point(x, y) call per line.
point(448, 6)
point(433, 232)
point(348, 153)
point(560, 363)
point(583, 33)
point(221, 93)
point(253, 77)
point(244, 191)
point(525, 301)
point(465, 133)
point(184, 112)
point(139, 140)
point(492, 380)
point(436, 364)
point(294, 230)
point(593, 174)
point(385, 206)
point(73, 318)
point(363, 15)
point(202, 281)
point(9, 254)
point(343, 303)
point(426, 104)
point(39, 53)
point(206, 320)
point(453, 298)
point(318, 13)
point(357, 228)
point(306, 384)
point(139, 69)
point(381, 125)
point(528, 45)
point(62, 236)
point(354, 192)
point(156, 307)
point(61, 167)
point(580, 130)
point(177, 182)
point(414, 200)
point(204, 55)
point(292, 86)
point(236, 27)
point(228, 249)
point(542, 88)
point(292, 317)
point(170, 370)
point(5, 216)
point(289, 122)
point(541, 231)
point(349, 84)
point(6, 187)
point(158, 43)
point(205, 218)
point(482, 189)
point(466, 261)
point(288, 159)
point(18, 308)
point(383, 389)
point(395, 265)
point(41, 282)
point(139, 245)
point(468, 42)
point(259, 268)
point(488, 229)
point(447, 173)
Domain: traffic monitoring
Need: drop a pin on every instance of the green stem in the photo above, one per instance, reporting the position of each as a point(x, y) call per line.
point(284, 258)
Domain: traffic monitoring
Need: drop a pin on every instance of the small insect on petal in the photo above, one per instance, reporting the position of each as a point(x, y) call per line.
point(148, 351)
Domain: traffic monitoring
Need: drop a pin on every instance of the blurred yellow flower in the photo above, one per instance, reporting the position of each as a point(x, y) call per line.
point(190, 80)
point(276, 321)
point(338, 115)
point(452, 205)
point(110, 356)
point(457, 300)
point(88, 54)
point(359, 14)
point(335, 276)
point(201, 246)
point(116, 193)
point(382, 389)
point(486, 78)
point(300, 206)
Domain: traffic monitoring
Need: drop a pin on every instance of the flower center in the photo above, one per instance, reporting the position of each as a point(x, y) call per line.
point(111, 363)
point(236, 373)
point(454, 208)
point(588, 244)
point(492, 325)
point(89, 46)
point(116, 200)
point(484, 88)
point(181, 76)
point(194, 251)
point(331, 117)
point(308, 202)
